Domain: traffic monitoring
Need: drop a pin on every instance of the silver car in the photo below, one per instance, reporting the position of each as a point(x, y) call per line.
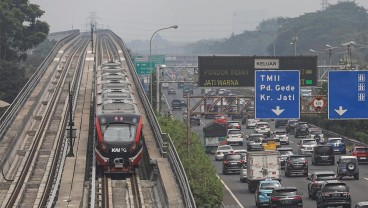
point(221, 151)
point(306, 146)
point(243, 173)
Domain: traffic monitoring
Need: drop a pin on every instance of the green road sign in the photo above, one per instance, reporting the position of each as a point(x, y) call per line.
point(144, 67)
point(158, 59)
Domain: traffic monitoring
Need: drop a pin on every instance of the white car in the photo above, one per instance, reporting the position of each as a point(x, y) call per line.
point(222, 150)
point(306, 146)
point(235, 136)
point(242, 152)
point(251, 123)
point(262, 128)
point(282, 135)
point(317, 134)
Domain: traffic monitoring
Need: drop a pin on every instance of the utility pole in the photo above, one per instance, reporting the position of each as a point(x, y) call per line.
point(92, 26)
point(188, 123)
point(71, 131)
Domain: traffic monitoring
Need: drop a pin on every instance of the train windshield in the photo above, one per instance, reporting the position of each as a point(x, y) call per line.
point(119, 132)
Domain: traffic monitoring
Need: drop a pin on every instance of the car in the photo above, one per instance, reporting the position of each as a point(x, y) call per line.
point(251, 122)
point(290, 125)
point(282, 136)
point(316, 179)
point(296, 164)
point(242, 152)
point(270, 144)
point(221, 119)
point(284, 153)
point(286, 197)
point(237, 117)
point(222, 150)
point(176, 105)
point(195, 120)
point(363, 204)
point(280, 122)
point(262, 128)
point(301, 129)
point(338, 145)
point(316, 134)
point(235, 136)
point(171, 91)
point(333, 193)
point(306, 146)
point(264, 190)
point(347, 166)
point(243, 173)
point(232, 162)
point(183, 103)
point(361, 153)
point(254, 142)
point(233, 125)
point(323, 154)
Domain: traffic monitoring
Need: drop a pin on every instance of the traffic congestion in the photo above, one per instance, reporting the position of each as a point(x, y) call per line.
point(278, 163)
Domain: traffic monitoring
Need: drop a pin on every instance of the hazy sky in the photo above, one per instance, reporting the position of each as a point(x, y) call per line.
point(197, 19)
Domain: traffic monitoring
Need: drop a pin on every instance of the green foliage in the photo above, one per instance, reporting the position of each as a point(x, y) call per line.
point(12, 80)
point(205, 185)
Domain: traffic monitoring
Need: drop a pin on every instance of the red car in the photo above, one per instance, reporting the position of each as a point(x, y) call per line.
point(361, 153)
point(221, 119)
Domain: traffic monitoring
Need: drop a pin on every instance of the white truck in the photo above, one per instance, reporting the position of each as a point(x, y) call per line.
point(262, 165)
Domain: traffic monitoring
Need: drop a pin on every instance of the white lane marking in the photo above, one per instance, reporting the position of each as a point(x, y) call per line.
point(366, 179)
point(231, 193)
point(291, 142)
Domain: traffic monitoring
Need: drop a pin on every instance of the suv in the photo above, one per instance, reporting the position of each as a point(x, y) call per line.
point(348, 166)
point(316, 179)
point(317, 134)
point(306, 146)
point(290, 125)
point(337, 144)
point(323, 154)
point(176, 105)
point(334, 193)
point(262, 128)
point(361, 153)
point(195, 120)
point(296, 164)
point(286, 197)
point(254, 142)
point(301, 129)
point(232, 162)
point(280, 122)
point(234, 136)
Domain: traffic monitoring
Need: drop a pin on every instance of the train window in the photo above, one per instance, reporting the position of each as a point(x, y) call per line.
point(119, 132)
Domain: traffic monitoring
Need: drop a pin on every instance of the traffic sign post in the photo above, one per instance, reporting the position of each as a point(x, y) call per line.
point(318, 103)
point(347, 94)
point(277, 94)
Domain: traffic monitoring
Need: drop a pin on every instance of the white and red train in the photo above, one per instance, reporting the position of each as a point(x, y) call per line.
point(118, 121)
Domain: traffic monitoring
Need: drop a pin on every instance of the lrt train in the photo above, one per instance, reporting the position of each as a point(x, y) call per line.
point(118, 123)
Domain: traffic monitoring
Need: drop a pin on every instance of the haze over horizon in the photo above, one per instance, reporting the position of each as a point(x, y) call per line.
point(197, 20)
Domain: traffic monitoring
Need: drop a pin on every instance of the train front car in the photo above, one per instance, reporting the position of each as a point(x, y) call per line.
point(118, 121)
point(119, 139)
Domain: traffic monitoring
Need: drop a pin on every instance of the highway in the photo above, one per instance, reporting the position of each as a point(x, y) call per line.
point(358, 188)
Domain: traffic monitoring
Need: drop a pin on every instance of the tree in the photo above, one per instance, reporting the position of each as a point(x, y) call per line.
point(20, 30)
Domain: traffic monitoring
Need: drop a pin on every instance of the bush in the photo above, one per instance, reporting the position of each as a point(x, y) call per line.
point(204, 183)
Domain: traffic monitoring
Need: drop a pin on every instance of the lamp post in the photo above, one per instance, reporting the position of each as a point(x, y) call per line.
point(150, 58)
point(294, 39)
point(329, 48)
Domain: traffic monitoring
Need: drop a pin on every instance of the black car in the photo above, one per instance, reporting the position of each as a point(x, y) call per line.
point(195, 120)
point(286, 197)
point(290, 126)
point(296, 164)
point(316, 179)
point(171, 91)
point(301, 129)
point(334, 193)
point(237, 117)
point(280, 122)
point(176, 105)
point(323, 154)
point(232, 162)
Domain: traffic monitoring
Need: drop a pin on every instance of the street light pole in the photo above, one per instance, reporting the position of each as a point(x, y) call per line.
point(150, 58)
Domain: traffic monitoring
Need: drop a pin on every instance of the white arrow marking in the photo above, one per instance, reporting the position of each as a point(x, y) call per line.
point(278, 111)
point(340, 111)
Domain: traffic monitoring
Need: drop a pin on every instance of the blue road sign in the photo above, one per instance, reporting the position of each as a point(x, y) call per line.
point(347, 94)
point(277, 94)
